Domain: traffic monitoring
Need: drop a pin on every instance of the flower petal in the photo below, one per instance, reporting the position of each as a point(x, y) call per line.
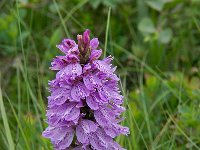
point(91, 81)
point(102, 66)
point(99, 140)
point(88, 126)
point(66, 45)
point(92, 103)
point(73, 114)
point(95, 54)
point(86, 68)
point(58, 97)
point(71, 70)
point(116, 130)
point(82, 137)
point(58, 64)
point(108, 59)
point(79, 91)
point(94, 43)
point(104, 94)
point(62, 137)
point(86, 37)
point(101, 120)
point(67, 140)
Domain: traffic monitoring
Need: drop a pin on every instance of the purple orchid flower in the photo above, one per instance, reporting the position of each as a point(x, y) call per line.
point(84, 107)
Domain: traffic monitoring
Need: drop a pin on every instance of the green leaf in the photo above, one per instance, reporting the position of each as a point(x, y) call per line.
point(156, 4)
point(146, 25)
point(165, 36)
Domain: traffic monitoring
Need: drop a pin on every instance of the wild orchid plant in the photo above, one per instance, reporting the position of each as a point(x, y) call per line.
point(84, 107)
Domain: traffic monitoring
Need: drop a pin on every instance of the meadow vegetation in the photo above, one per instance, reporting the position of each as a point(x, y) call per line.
point(156, 45)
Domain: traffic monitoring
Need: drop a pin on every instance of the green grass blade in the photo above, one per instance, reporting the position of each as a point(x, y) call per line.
point(143, 99)
point(5, 122)
point(132, 115)
point(196, 23)
point(74, 9)
point(148, 68)
point(106, 36)
point(19, 124)
point(183, 133)
point(161, 133)
point(62, 20)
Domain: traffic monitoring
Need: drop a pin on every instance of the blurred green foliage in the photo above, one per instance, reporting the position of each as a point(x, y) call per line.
point(156, 44)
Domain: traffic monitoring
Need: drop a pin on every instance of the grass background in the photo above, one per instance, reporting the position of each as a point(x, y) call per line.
point(156, 44)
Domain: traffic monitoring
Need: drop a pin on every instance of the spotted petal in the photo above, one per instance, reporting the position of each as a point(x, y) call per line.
point(92, 103)
point(73, 114)
point(95, 54)
point(102, 66)
point(66, 45)
point(116, 130)
point(79, 91)
point(91, 81)
point(82, 137)
point(88, 126)
point(72, 70)
point(62, 137)
point(58, 64)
